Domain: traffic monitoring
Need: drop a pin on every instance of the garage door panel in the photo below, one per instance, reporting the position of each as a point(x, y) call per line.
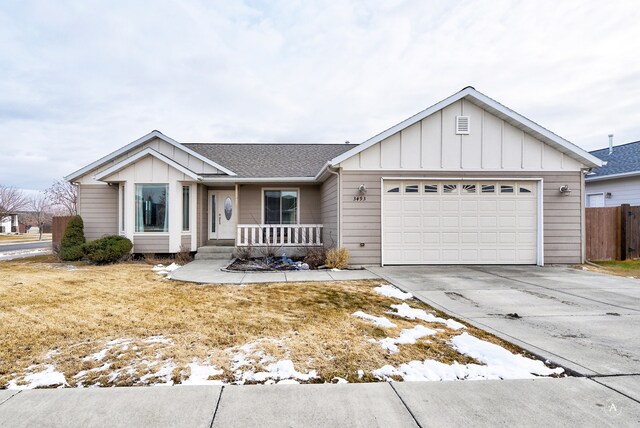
point(477, 222)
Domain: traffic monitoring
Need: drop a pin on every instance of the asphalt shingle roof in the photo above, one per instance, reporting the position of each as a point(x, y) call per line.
point(270, 160)
point(625, 158)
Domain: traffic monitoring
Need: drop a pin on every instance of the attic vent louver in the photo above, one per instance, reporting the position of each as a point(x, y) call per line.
point(462, 125)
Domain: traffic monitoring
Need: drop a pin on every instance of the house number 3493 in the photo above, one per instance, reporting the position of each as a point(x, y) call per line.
point(359, 198)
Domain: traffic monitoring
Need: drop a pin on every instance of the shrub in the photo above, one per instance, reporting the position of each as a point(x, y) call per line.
point(73, 240)
point(108, 249)
point(337, 258)
point(183, 256)
point(315, 257)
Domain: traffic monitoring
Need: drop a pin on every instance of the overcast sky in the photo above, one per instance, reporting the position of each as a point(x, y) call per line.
point(79, 79)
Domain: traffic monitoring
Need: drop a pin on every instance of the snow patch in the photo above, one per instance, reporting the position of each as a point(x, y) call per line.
point(161, 269)
point(408, 336)
point(378, 321)
point(391, 291)
point(500, 364)
point(406, 311)
point(200, 375)
point(279, 370)
point(48, 377)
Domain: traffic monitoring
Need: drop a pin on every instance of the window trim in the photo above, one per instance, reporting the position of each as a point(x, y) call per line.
point(281, 189)
point(135, 211)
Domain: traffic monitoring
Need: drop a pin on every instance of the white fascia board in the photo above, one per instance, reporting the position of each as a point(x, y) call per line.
point(141, 154)
point(140, 141)
point(224, 179)
point(469, 92)
point(612, 176)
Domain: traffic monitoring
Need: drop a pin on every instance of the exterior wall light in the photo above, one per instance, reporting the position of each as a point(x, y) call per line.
point(565, 189)
point(362, 189)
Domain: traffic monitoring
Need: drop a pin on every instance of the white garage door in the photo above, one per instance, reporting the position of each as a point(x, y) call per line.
point(459, 222)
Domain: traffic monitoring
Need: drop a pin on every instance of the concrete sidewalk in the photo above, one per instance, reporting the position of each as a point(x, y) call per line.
point(210, 272)
point(537, 402)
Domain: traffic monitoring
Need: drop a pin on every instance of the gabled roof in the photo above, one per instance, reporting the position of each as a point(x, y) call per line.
point(142, 154)
point(624, 161)
point(262, 160)
point(139, 142)
point(496, 109)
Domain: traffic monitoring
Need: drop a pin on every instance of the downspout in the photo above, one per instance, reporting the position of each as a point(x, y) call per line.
point(339, 204)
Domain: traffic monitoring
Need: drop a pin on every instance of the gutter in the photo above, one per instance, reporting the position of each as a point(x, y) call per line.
point(612, 176)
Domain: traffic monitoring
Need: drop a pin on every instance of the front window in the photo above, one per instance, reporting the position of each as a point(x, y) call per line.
point(280, 207)
point(152, 214)
point(185, 208)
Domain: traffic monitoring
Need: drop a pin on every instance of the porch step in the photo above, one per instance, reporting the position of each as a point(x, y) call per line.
point(217, 252)
point(220, 242)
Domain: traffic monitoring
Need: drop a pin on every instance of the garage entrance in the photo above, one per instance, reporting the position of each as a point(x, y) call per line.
point(460, 222)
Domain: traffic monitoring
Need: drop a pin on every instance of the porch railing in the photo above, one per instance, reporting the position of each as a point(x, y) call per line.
point(260, 235)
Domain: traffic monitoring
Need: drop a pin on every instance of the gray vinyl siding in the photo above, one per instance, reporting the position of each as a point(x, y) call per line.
point(250, 202)
point(623, 190)
point(329, 211)
point(563, 221)
point(150, 243)
point(185, 241)
point(98, 207)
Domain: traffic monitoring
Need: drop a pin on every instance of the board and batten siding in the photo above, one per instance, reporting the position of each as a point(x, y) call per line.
point(98, 207)
point(432, 144)
point(623, 190)
point(562, 214)
point(250, 202)
point(329, 211)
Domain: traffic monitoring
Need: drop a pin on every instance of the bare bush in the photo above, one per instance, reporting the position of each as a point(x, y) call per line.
point(12, 200)
point(337, 258)
point(183, 256)
point(315, 256)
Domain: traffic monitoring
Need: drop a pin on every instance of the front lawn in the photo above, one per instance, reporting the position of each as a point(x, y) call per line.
point(124, 324)
point(619, 267)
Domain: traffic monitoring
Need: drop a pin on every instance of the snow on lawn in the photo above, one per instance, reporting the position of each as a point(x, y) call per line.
point(200, 375)
point(47, 377)
point(280, 370)
point(500, 364)
point(408, 336)
point(406, 311)
point(161, 269)
point(391, 291)
point(378, 321)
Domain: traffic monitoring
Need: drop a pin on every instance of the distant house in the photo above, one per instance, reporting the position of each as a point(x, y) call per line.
point(466, 181)
point(616, 182)
point(12, 223)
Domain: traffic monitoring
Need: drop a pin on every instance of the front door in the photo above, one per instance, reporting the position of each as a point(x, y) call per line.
point(222, 215)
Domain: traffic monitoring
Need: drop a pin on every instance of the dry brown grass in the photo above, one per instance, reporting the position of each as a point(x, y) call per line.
point(46, 307)
point(627, 268)
point(18, 239)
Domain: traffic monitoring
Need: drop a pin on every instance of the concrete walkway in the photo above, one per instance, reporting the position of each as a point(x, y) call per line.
point(537, 402)
point(210, 272)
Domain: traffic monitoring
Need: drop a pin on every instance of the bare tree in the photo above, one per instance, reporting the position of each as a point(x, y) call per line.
point(64, 195)
point(39, 211)
point(11, 201)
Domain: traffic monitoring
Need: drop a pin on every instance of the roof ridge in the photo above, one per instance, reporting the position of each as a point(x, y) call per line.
point(619, 145)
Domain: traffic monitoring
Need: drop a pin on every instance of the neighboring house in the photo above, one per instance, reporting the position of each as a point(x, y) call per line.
point(12, 224)
point(466, 181)
point(618, 181)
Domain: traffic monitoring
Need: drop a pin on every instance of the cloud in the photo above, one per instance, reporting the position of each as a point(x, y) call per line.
point(81, 79)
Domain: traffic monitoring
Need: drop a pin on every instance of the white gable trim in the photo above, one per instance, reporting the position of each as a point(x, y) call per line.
point(492, 106)
point(140, 141)
point(142, 154)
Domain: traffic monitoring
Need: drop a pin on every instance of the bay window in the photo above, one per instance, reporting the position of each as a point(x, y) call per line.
point(152, 209)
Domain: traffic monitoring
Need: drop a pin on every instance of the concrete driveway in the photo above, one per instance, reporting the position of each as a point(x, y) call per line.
point(587, 322)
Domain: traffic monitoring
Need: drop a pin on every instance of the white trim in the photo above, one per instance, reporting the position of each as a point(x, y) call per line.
point(612, 176)
point(141, 154)
point(540, 211)
point(153, 134)
point(297, 189)
point(214, 180)
point(486, 103)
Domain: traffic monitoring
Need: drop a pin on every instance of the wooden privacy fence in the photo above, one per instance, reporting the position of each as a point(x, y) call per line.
point(613, 233)
point(57, 229)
